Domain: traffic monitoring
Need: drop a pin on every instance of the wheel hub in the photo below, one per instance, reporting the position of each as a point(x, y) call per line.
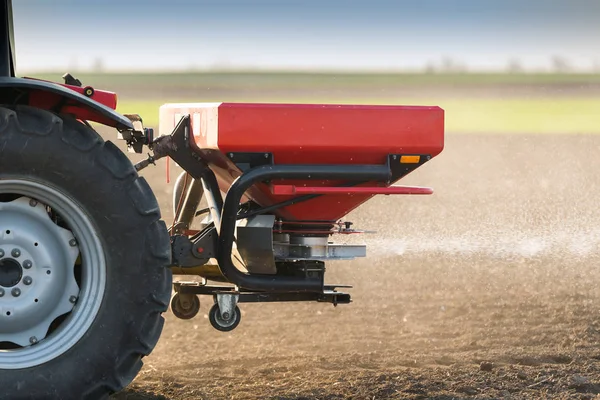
point(37, 259)
point(11, 272)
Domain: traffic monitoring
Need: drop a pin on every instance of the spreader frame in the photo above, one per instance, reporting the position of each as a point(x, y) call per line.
point(328, 295)
point(181, 147)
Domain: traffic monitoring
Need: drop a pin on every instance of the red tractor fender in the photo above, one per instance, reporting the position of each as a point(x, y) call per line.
point(84, 103)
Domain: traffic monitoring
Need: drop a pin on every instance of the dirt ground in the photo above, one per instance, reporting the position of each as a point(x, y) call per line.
point(487, 289)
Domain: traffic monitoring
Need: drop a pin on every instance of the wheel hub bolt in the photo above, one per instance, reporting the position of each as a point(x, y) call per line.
point(27, 280)
point(226, 315)
point(32, 203)
point(27, 264)
point(73, 299)
point(16, 292)
point(15, 252)
point(1, 292)
point(1, 253)
point(72, 242)
point(33, 340)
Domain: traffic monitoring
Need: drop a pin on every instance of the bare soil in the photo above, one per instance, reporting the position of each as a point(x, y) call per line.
point(487, 289)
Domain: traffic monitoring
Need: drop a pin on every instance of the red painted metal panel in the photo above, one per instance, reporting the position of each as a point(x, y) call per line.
point(109, 99)
point(48, 100)
point(327, 134)
point(309, 134)
point(330, 134)
point(280, 190)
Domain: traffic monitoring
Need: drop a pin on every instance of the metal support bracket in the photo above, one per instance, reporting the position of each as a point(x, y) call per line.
point(328, 295)
point(138, 137)
point(195, 252)
point(227, 303)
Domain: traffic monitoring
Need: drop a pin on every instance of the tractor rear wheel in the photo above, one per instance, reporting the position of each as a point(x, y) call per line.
point(83, 261)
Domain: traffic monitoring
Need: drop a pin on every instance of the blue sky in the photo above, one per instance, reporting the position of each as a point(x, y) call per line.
point(307, 34)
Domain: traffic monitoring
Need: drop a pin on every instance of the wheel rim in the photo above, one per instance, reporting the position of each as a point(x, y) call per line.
point(35, 332)
point(225, 323)
point(179, 309)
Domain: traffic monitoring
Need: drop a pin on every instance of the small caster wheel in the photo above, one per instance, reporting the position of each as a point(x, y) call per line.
point(185, 306)
point(221, 324)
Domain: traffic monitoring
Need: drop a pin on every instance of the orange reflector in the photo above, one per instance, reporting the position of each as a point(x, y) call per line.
point(410, 159)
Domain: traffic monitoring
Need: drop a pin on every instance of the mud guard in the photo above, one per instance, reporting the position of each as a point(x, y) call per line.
point(61, 99)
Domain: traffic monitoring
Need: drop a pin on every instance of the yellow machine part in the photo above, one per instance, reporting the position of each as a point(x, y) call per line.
point(208, 271)
point(211, 269)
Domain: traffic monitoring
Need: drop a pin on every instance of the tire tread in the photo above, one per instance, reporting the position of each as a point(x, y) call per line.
point(157, 256)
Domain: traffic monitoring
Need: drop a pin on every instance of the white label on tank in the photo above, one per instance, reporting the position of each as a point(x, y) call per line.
point(196, 125)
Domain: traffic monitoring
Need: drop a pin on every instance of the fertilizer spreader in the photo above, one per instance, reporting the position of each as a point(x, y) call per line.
point(86, 263)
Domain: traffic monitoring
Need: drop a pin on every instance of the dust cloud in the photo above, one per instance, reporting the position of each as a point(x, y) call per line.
point(487, 289)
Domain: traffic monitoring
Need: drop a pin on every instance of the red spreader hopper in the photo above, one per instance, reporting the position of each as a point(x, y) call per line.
point(325, 159)
point(289, 172)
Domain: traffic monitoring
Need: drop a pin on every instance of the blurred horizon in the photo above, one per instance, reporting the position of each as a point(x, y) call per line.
point(308, 36)
point(499, 66)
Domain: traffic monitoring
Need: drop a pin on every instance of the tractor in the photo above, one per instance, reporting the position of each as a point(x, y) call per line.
point(87, 264)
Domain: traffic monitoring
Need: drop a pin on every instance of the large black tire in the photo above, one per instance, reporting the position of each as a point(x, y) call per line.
point(70, 156)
